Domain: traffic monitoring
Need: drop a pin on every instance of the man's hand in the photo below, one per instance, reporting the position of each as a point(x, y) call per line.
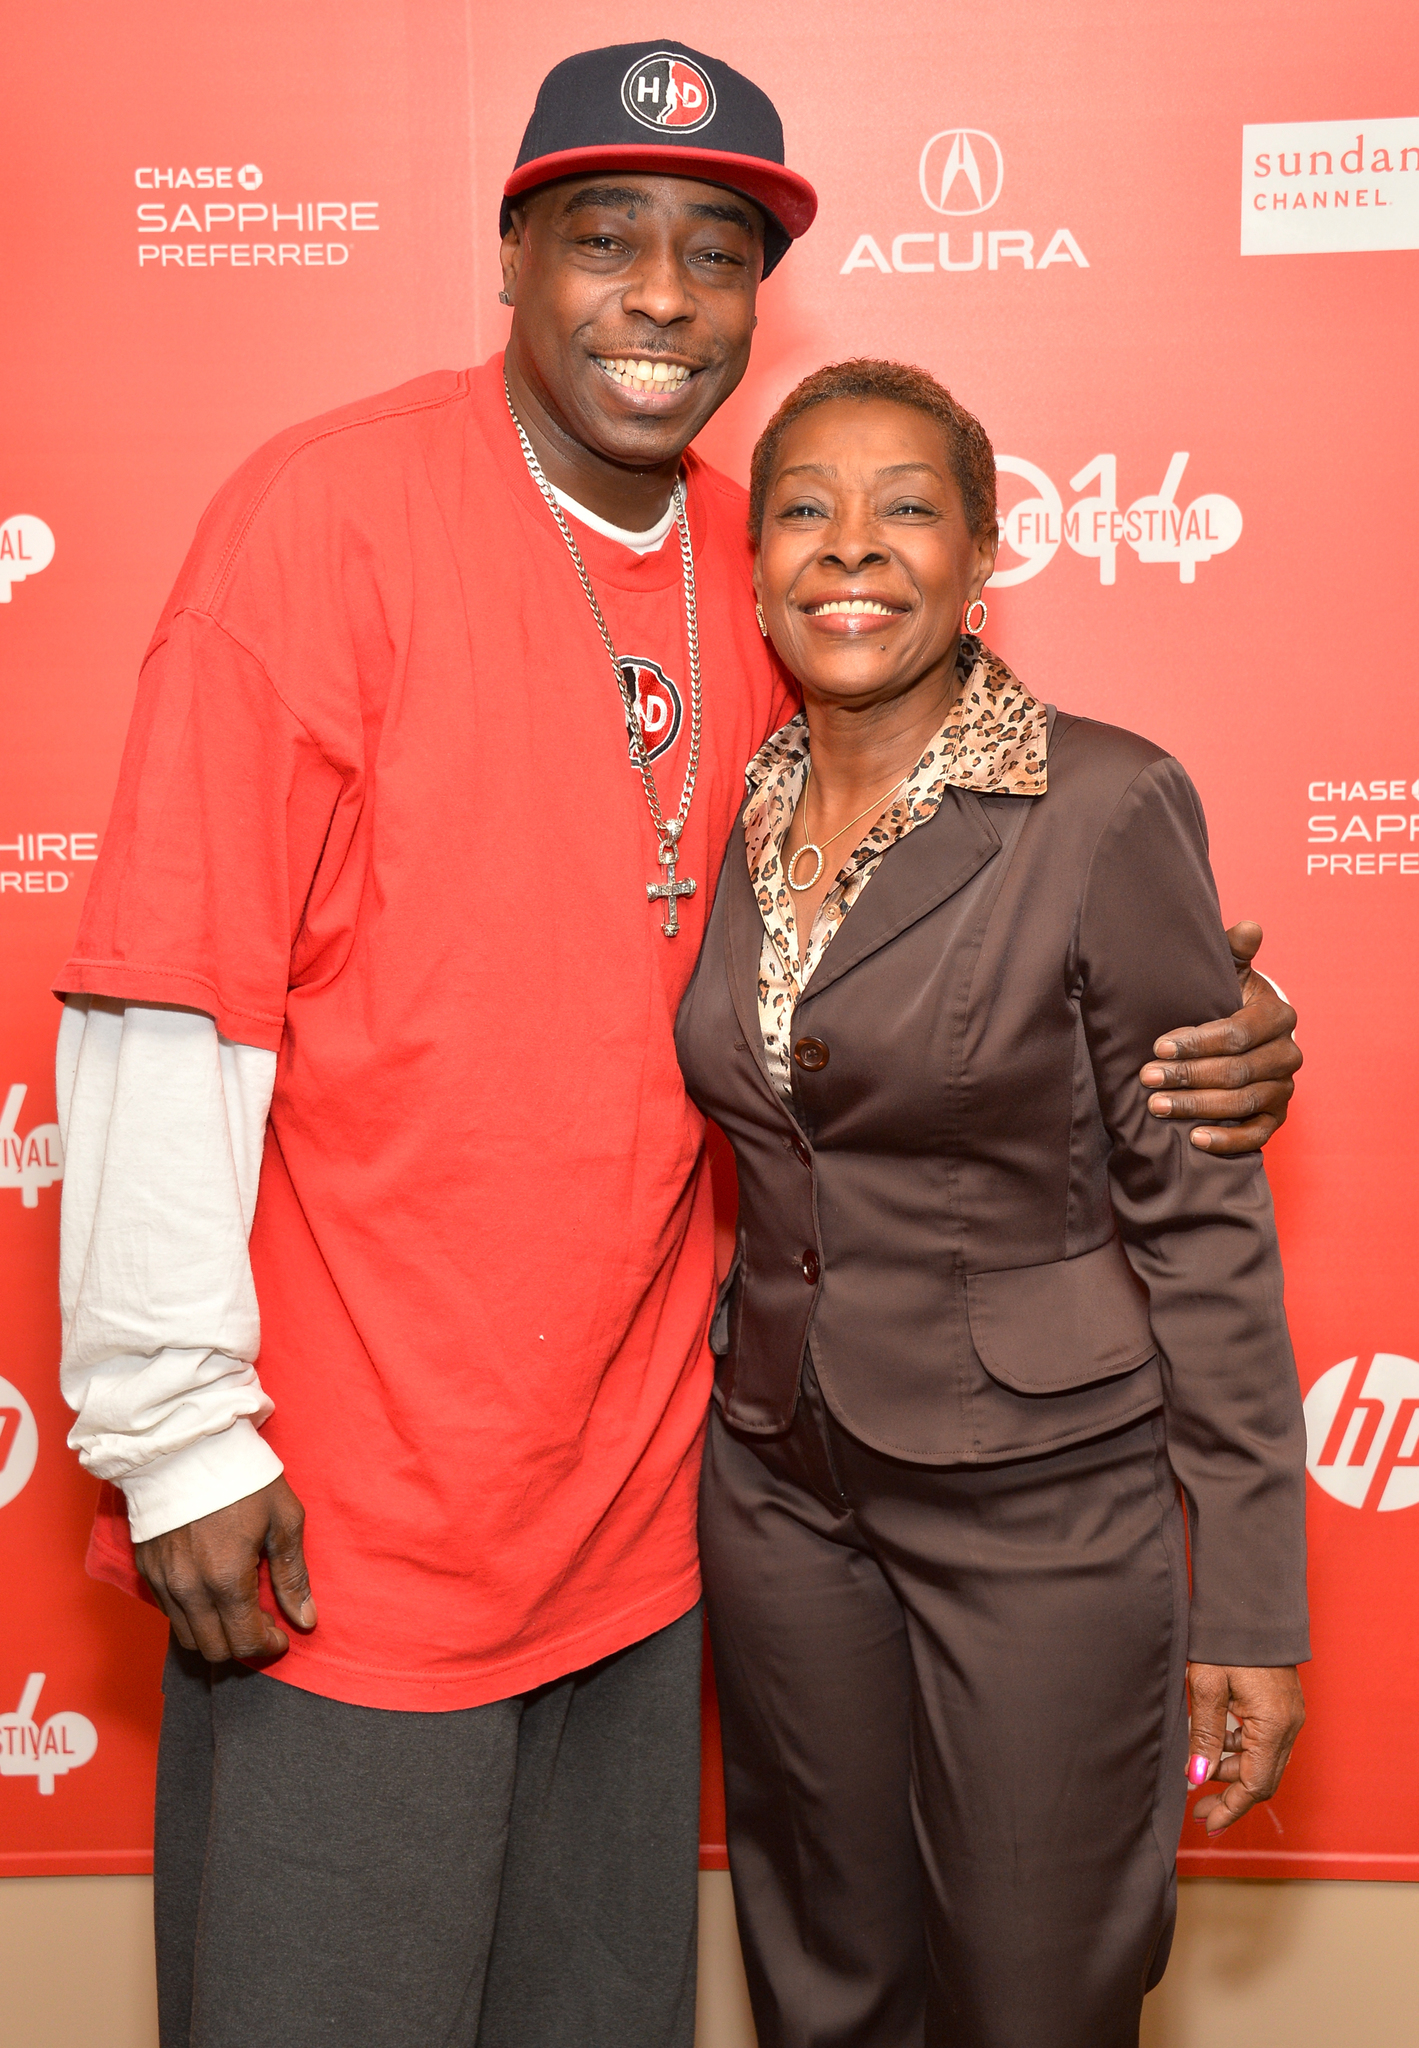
point(1239, 1068)
point(204, 1576)
point(1246, 1761)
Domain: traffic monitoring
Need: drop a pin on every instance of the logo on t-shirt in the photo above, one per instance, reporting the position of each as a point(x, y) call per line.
point(666, 91)
point(658, 704)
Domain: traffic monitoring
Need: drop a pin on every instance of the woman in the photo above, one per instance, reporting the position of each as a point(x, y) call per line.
point(986, 1315)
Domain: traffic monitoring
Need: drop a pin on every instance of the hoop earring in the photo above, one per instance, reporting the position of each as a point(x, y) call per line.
point(759, 615)
point(503, 299)
point(980, 622)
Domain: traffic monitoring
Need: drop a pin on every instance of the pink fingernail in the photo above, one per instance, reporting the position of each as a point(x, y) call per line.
point(1198, 1769)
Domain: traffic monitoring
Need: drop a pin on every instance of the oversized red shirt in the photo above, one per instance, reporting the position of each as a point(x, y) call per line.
point(377, 812)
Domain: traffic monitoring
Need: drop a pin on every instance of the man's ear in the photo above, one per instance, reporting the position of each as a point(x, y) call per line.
point(511, 253)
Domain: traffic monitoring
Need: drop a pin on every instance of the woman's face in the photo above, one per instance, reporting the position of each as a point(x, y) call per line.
point(862, 506)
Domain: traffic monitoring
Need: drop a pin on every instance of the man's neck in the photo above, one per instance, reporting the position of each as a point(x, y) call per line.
point(631, 498)
point(647, 541)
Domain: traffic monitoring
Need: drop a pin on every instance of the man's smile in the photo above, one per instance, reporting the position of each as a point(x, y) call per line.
point(646, 377)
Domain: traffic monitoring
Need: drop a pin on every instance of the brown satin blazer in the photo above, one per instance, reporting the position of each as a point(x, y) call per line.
point(991, 1247)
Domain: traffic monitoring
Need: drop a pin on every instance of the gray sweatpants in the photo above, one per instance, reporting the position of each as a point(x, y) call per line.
point(518, 1875)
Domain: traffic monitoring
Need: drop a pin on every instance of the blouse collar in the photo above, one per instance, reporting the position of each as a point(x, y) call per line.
point(993, 741)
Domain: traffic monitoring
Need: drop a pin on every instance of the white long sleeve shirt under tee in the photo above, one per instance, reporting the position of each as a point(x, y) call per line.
point(163, 1123)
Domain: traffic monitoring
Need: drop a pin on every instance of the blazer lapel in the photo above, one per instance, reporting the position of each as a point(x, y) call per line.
point(743, 938)
point(916, 874)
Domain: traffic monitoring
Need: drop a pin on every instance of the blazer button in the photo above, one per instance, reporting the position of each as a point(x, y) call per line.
point(811, 1267)
point(811, 1054)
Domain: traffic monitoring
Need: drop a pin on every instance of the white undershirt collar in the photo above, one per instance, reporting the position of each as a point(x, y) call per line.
point(639, 543)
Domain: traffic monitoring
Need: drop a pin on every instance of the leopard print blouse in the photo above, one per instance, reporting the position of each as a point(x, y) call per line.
point(993, 740)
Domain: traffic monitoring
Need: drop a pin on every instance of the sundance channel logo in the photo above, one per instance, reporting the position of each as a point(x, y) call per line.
point(1362, 1432)
point(1311, 188)
point(221, 217)
point(960, 177)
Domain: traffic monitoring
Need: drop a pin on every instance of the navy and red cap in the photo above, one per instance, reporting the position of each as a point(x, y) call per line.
point(660, 108)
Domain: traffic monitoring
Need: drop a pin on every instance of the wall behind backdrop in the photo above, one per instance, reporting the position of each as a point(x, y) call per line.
point(1166, 254)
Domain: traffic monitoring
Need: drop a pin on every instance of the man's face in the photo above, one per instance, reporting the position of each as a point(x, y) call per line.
point(634, 303)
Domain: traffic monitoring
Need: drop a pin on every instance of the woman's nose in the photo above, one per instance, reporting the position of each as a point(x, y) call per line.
point(848, 551)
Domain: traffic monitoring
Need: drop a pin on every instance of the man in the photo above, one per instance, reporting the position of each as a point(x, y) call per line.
point(413, 846)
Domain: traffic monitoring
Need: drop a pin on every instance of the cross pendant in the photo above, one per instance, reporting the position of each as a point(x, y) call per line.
point(670, 889)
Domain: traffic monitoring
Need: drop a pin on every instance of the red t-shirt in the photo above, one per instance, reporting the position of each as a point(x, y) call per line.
point(377, 812)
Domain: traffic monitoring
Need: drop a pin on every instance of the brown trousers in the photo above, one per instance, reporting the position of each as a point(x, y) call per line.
point(954, 1734)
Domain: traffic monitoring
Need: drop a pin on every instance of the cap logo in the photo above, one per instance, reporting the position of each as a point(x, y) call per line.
point(666, 91)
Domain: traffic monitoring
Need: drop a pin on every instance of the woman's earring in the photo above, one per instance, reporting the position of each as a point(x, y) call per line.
point(503, 299)
point(977, 604)
point(759, 615)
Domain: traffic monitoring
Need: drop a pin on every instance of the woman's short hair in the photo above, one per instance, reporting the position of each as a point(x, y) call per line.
point(971, 456)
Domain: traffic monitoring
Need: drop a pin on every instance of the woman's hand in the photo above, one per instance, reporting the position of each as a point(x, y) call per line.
point(1238, 1068)
point(1246, 1761)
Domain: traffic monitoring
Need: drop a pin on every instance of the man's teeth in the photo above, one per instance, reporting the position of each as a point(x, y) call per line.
point(644, 376)
point(851, 604)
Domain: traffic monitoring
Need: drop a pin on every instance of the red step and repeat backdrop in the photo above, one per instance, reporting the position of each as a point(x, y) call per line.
point(1167, 254)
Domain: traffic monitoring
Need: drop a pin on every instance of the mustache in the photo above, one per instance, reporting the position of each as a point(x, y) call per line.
point(643, 353)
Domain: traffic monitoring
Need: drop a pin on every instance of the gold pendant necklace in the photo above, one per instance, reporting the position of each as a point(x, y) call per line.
point(667, 830)
point(815, 847)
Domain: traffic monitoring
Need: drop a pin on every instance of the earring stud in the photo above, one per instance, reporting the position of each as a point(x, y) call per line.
point(503, 299)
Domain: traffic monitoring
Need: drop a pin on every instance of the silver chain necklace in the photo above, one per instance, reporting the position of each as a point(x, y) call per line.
point(667, 830)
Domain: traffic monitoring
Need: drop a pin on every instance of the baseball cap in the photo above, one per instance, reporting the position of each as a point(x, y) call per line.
point(659, 107)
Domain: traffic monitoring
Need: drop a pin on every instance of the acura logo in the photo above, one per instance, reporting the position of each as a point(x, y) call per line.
point(961, 171)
